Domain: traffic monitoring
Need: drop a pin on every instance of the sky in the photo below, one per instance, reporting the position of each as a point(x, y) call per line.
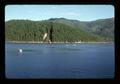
point(44, 12)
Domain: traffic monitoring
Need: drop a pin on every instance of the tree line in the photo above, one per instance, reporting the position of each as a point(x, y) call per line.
point(26, 30)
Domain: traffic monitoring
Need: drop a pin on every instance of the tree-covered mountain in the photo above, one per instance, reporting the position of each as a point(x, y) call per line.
point(101, 27)
point(63, 30)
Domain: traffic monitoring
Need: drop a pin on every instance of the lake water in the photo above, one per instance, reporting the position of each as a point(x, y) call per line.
point(60, 61)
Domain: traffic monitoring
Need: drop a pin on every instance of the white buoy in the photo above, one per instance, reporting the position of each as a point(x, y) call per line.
point(20, 50)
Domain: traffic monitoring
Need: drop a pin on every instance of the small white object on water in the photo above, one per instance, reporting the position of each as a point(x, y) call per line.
point(20, 50)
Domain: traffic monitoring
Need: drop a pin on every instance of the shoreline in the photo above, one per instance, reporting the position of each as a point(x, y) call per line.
point(40, 42)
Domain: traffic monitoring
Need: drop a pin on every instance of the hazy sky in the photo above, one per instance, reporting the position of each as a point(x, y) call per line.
point(43, 12)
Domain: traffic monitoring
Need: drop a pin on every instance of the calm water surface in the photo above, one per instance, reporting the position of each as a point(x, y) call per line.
point(59, 61)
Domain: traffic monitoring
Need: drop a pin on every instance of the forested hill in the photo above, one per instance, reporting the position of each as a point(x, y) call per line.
point(27, 30)
point(101, 27)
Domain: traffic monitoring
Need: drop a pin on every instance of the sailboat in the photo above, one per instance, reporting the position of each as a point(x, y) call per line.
point(45, 36)
point(48, 35)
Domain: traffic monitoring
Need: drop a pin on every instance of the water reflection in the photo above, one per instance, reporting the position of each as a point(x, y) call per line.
point(20, 53)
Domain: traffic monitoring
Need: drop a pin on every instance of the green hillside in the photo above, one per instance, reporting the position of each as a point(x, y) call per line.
point(102, 27)
point(26, 30)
